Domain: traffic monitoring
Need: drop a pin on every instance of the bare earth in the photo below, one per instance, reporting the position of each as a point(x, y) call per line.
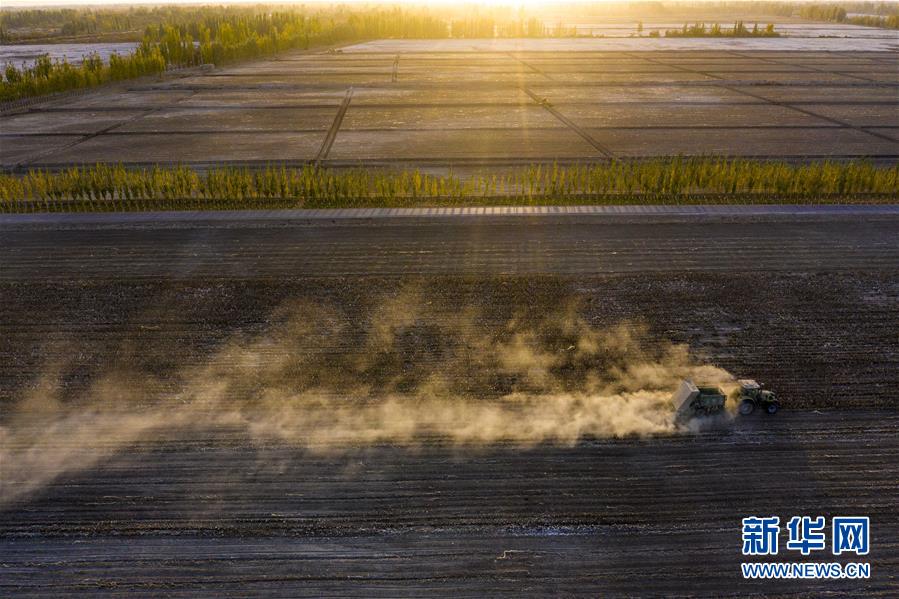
point(213, 516)
point(442, 104)
point(806, 304)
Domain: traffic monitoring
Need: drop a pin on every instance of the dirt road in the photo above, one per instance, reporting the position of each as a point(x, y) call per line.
point(719, 240)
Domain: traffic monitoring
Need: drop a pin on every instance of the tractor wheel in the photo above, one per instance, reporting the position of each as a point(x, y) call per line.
point(747, 407)
point(772, 407)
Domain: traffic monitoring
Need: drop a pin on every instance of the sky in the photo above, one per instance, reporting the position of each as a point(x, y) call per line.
point(515, 3)
point(41, 3)
point(512, 3)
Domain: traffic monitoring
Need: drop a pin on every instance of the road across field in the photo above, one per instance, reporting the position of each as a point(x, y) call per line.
point(114, 246)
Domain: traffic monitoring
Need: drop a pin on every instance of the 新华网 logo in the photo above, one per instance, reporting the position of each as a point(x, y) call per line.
point(806, 535)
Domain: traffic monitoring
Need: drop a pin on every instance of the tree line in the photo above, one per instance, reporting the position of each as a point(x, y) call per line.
point(837, 13)
point(739, 30)
point(679, 180)
point(46, 76)
point(220, 35)
point(180, 37)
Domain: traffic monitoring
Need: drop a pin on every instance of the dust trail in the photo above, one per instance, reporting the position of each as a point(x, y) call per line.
point(414, 370)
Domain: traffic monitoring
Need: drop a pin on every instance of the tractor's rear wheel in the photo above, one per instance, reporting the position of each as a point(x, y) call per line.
point(772, 407)
point(747, 407)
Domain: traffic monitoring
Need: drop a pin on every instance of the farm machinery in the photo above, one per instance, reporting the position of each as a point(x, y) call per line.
point(691, 401)
point(752, 396)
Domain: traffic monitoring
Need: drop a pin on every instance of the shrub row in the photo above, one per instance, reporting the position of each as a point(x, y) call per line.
point(715, 30)
point(115, 187)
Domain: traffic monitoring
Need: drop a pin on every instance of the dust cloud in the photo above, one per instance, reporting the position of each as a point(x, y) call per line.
point(410, 370)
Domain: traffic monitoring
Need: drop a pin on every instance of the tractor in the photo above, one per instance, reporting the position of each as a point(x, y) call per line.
point(751, 396)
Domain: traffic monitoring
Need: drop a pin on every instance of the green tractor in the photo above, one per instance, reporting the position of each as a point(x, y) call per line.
point(751, 396)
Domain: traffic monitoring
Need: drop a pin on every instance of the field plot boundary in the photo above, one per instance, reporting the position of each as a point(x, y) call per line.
point(619, 44)
point(714, 81)
point(147, 111)
point(327, 214)
point(792, 106)
point(11, 107)
point(432, 162)
point(803, 67)
point(597, 102)
point(541, 101)
point(731, 86)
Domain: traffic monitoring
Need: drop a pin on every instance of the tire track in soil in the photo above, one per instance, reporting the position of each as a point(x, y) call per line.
point(335, 127)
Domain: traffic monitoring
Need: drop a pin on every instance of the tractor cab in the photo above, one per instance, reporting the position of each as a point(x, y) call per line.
point(752, 396)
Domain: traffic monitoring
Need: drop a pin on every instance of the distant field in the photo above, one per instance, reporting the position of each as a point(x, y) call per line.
point(446, 105)
point(20, 54)
point(786, 27)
